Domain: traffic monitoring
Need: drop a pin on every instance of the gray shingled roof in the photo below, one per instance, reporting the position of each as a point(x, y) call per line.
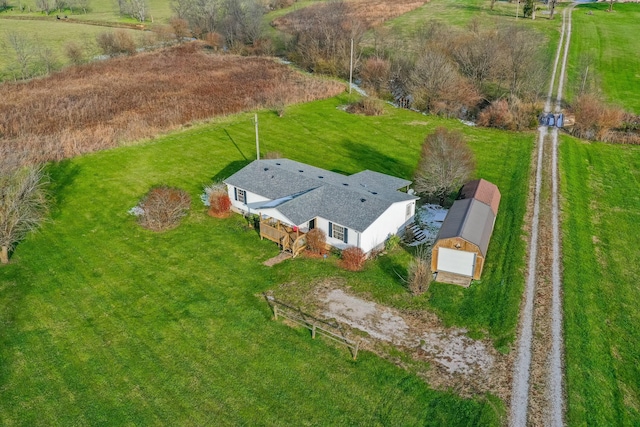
point(352, 201)
point(471, 220)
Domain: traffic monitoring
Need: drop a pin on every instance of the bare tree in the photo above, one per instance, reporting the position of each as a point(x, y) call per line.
point(610, 5)
point(521, 66)
point(23, 204)
point(322, 38)
point(47, 59)
point(45, 5)
point(60, 5)
point(82, 4)
point(242, 21)
point(203, 16)
point(137, 9)
point(446, 162)
point(436, 86)
point(375, 74)
point(476, 54)
point(24, 52)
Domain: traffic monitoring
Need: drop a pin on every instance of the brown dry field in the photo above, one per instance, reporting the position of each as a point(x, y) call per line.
point(103, 104)
point(370, 12)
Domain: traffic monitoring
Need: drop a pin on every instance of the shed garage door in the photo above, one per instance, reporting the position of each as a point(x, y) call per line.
point(459, 262)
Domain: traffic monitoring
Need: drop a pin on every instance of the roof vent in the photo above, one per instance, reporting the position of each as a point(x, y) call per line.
point(345, 184)
point(320, 176)
point(373, 192)
point(277, 163)
point(266, 169)
point(363, 200)
point(300, 170)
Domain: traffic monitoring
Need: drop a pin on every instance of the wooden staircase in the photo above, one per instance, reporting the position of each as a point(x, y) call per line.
point(419, 236)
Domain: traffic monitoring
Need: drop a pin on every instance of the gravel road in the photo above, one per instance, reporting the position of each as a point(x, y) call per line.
point(520, 397)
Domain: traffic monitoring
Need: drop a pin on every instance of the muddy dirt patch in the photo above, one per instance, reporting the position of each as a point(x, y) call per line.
point(456, 361)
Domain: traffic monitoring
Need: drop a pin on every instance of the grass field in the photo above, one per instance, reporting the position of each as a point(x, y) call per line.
point(98, 10)
point(106, 323)
point(54, 35)
point(601, 212)
point(44, 30)
point(460, 14)
point(608, 44)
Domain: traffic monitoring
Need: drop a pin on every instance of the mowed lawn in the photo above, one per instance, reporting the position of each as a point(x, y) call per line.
point(106, 323)
point(608, 43)
point(601, 213)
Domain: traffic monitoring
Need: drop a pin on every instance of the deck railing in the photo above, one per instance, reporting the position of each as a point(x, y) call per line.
point(289, 240)
point(272, 233)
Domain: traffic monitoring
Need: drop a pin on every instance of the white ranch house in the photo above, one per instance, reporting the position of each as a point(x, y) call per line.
point(291, 198)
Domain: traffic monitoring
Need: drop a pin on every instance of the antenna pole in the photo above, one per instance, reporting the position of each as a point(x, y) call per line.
point(257, 140)
point(351, 67)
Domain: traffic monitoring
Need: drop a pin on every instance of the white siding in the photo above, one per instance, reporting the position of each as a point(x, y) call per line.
point(275, 214)
point(250, 198)
point(390, 222)
point(352, 235)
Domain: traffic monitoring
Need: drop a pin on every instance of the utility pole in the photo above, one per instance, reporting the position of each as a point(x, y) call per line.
point(257, 140)
point(351, 67)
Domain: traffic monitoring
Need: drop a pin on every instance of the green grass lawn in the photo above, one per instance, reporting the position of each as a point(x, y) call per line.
point(601, 213)
point(609, 45)
point(106, 323)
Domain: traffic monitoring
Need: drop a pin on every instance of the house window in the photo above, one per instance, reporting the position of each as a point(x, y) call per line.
point(409, 210)
point(338, 232)
point(241, 195)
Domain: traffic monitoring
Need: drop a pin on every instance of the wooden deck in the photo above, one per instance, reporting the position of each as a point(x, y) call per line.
point(289, 239)
point(453, 279)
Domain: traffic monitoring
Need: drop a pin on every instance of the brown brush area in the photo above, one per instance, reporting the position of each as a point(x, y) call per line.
point(369, 12)
point(97, 106)
point(353, 259)
point(163, 208)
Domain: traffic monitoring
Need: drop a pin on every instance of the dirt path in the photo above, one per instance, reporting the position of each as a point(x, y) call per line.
point(537, 390)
